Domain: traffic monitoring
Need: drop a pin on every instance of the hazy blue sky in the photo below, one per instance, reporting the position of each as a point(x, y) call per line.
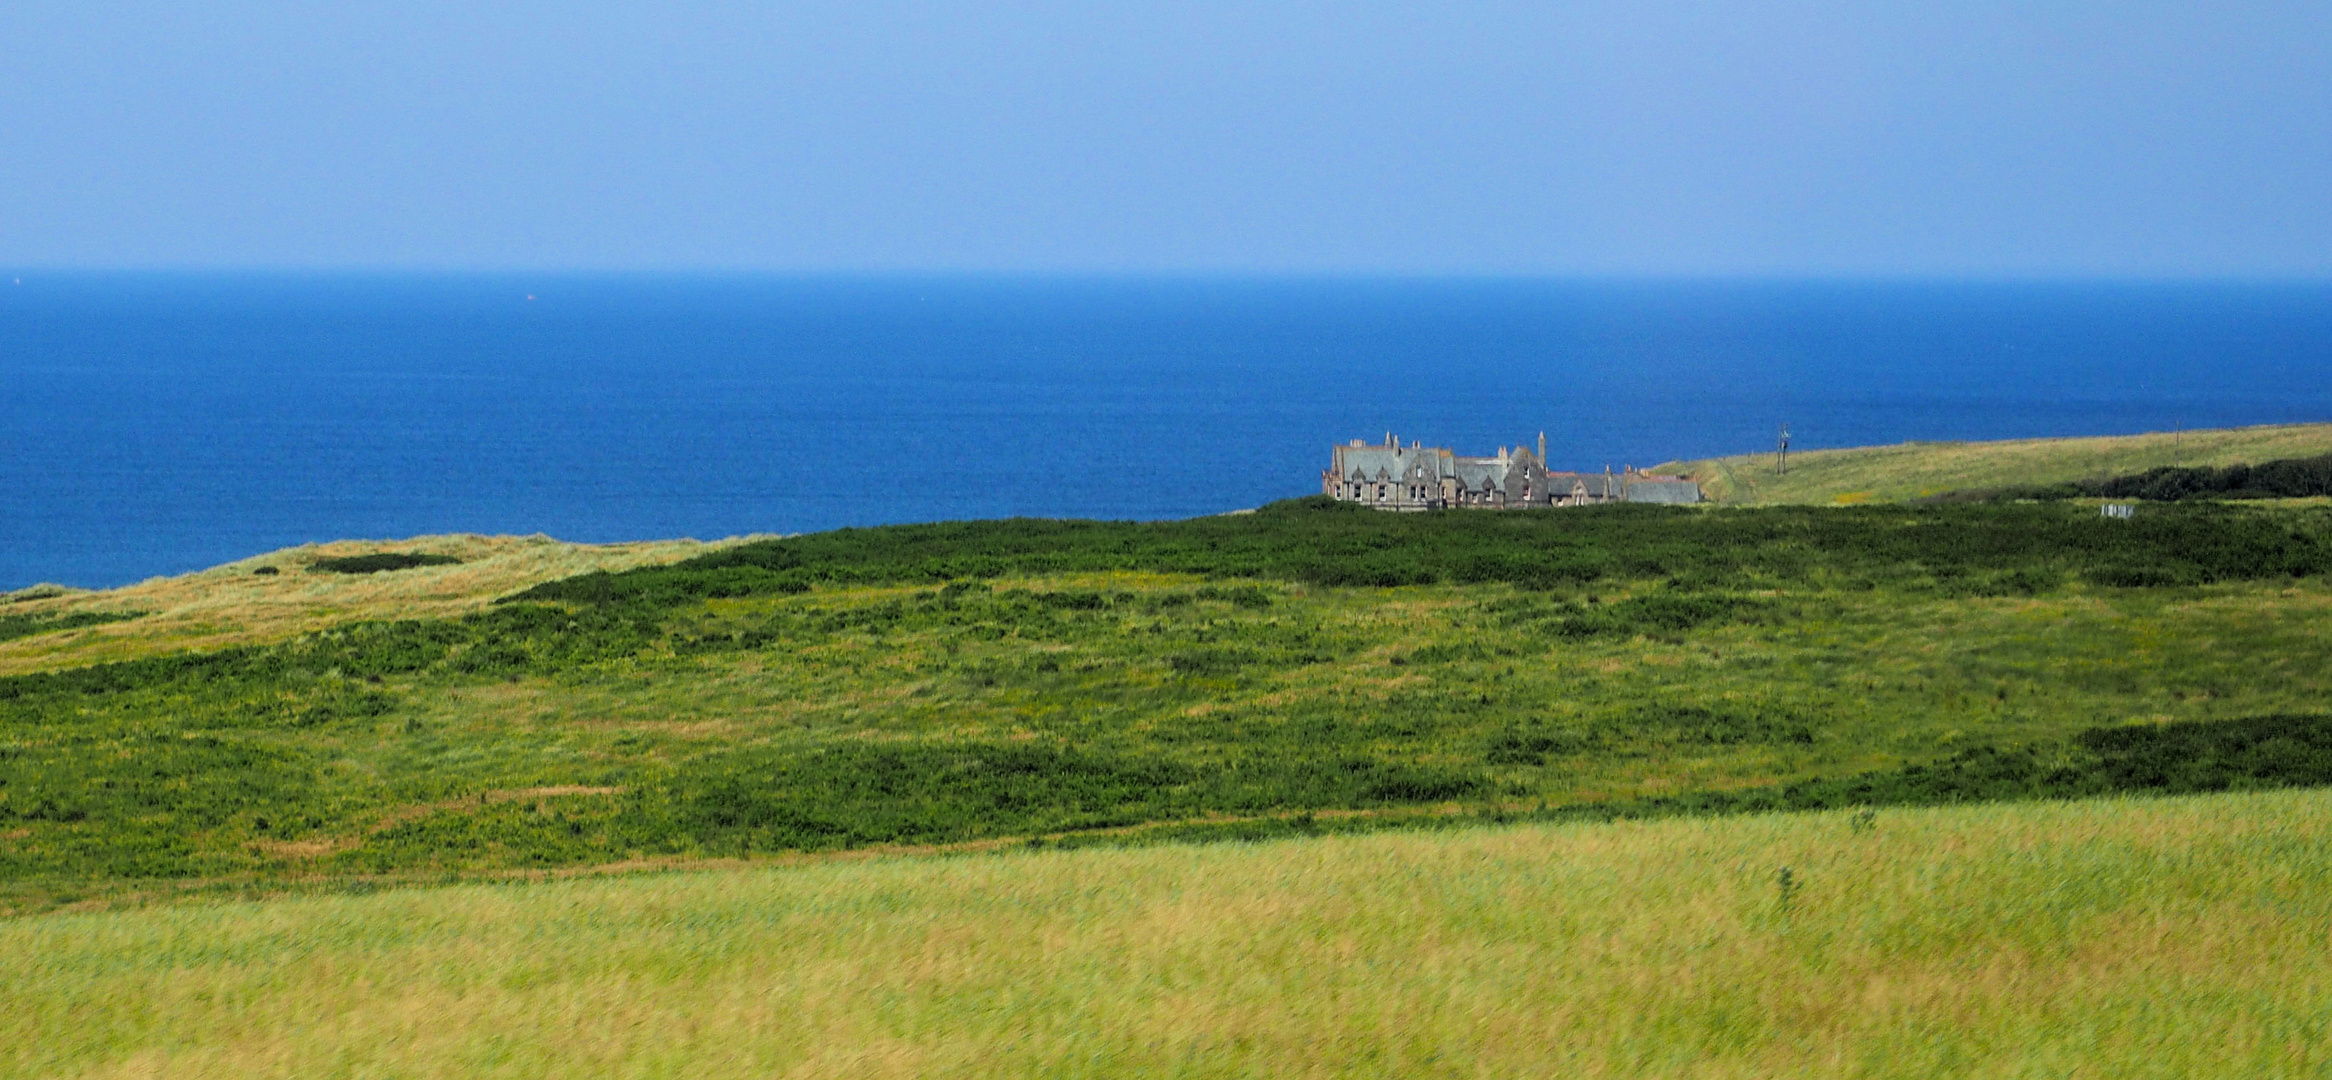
point(1952, 137)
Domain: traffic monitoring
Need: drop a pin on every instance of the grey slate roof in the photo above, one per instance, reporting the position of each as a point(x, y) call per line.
point(1473, 473)
point(1663, 491)
point(1598, 485)
point(1394, 464)
point(1373, 463)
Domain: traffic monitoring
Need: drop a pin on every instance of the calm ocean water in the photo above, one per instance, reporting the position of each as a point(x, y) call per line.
point(160, 423)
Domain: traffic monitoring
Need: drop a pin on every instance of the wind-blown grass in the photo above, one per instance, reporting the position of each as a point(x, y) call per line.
point(2164, 938)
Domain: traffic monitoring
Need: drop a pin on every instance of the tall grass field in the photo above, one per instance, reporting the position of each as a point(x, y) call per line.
point(2171, 938)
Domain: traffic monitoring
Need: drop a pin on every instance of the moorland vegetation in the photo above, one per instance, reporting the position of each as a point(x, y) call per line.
point(1507, 785)
point(2288, 478)
point(1311, 667)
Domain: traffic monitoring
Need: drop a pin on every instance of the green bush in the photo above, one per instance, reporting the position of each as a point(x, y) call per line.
point(2286, 478)
point(379, 562)
point(16, 626)
point(2246, 753)
point(854, 794)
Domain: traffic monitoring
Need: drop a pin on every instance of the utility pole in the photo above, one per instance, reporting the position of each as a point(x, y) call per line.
point(1781, 451)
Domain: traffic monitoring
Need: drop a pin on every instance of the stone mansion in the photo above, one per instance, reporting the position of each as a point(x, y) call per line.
point(1393, 476)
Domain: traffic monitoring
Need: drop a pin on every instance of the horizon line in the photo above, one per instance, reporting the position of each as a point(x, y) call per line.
point(18, 274)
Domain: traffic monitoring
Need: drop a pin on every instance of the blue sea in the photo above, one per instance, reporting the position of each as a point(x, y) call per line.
point(159, 423)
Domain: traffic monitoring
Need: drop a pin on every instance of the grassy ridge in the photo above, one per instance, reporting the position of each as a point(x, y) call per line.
point(1913, 470)
point(826, 692)
point(2158, 938)
point(234, 604)
point(1321, 542)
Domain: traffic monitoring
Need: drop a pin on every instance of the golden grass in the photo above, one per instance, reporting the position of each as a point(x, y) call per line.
point(2169, 938)
point(230, 605)
point(1910, 470)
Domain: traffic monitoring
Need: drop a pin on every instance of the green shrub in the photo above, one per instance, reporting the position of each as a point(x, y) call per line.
point(1696, 725)
point(2286, 478)
point(1534, 745)
point(854, 794)
point(2246, 753)
point(16, 626)
point(1210, 661)
point(379, 562)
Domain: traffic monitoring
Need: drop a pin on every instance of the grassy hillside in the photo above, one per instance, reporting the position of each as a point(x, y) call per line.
point(1911, 470)
point(2150, 938)
point(276, 596)
point(1311, 667)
